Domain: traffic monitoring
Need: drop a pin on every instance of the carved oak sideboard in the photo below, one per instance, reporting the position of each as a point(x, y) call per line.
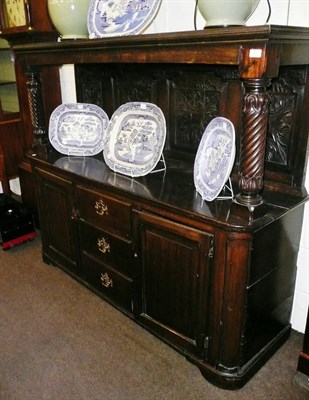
point(215, 280)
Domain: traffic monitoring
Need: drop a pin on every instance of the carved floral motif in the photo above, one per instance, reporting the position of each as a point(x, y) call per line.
point(194, 108)
point(280, 128)
point(284, 93)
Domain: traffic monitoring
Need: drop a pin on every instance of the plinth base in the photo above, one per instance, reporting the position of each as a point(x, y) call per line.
point(248, 211)
point(41, 148)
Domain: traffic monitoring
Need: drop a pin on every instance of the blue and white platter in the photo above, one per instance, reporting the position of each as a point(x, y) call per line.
point(78, 129)
point(120, 17)
point(135, 138)
point(215, 158)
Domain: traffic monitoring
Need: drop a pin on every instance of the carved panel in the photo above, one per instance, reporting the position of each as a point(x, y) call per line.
point(135, 85)
point(189, 99)
point(194, 103)
point(190, 96)
point(92, 85)
point(285, 93)
point(282, 108)
point(117, 84)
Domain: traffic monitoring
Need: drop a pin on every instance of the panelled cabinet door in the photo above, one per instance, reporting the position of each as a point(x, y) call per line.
point(56, 213)
point(173, 262)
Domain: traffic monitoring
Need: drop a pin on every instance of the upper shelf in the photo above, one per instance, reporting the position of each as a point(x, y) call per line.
point(177, 47)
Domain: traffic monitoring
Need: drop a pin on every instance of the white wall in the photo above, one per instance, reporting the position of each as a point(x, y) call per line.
point(299, 15)
point(178, 15)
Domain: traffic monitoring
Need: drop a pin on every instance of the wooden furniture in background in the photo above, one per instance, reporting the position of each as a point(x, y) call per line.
point(25, 21)
point(215, 280)
point(11, 149)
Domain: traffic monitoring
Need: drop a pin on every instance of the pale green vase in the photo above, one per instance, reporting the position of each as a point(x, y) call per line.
point(69, 17)
point(226, 12)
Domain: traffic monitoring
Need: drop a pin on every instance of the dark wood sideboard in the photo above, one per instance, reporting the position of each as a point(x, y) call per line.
point(215, 280)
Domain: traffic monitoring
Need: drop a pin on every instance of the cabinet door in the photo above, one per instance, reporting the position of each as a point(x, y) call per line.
point(173, 262)
point(58, 231)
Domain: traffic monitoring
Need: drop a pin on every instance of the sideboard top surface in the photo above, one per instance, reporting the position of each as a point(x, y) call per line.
point(172, 190)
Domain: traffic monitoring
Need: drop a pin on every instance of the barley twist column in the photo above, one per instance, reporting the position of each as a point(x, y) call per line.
point(253, 142)
point(36, 112)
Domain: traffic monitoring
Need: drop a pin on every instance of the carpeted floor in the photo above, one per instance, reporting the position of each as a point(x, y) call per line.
point(59, 341)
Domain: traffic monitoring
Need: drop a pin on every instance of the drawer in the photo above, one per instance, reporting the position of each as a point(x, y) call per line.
point(106, 248)
point(111, 284)
point(105, 212)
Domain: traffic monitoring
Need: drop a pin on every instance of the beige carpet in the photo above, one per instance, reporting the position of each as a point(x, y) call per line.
point(59, 341)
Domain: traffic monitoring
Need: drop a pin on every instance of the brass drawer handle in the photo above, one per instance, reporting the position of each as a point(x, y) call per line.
point(103, 245)
point(106, 280)
point(101, 207)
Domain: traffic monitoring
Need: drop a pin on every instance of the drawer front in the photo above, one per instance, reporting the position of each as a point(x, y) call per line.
point(106, 248)
point(113, 285)
point(104, 212)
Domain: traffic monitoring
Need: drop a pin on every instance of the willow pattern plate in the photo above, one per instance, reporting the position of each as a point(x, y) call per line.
point(135, 138)
point(215, 158)
point(120, 17)
point(78, 129)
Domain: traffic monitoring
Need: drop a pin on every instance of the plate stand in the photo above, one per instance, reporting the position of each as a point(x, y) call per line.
point(227, 192)
point(161, 165)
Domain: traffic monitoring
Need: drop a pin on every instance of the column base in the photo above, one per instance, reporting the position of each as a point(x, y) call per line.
point(40, 148)
point(249, 209)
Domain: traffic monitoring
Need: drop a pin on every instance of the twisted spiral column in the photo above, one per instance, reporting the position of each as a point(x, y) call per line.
point(253, 142)
point(33, 84)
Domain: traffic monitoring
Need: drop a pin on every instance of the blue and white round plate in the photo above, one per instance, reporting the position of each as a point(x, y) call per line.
point(120, 17)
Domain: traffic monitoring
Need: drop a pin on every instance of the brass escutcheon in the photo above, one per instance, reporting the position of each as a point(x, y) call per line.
point(106, 280)
point(101, 207)
point(103, 245)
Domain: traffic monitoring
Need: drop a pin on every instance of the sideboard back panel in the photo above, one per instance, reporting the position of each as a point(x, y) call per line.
point(191, 96)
